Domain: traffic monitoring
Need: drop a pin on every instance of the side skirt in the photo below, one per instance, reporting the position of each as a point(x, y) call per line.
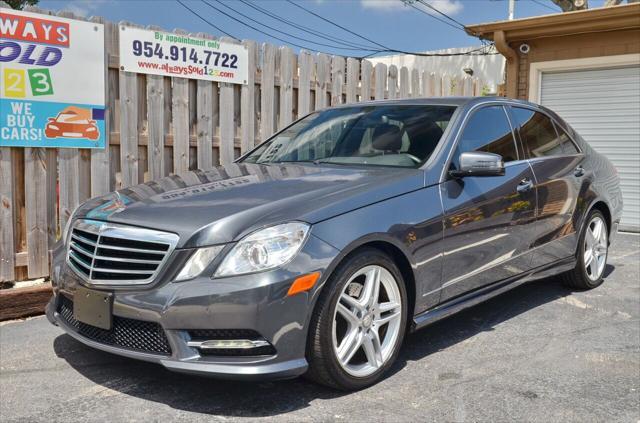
point(472, 298)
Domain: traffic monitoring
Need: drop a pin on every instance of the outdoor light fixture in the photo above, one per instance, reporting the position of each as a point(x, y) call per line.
point(468, 71)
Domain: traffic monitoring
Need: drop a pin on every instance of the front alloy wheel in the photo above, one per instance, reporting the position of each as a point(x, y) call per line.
point(359, 322)
point(366, 324)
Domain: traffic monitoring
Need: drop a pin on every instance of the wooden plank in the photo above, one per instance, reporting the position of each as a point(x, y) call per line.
point(380, 74)
point(267, 91)
point(180, 119)
point(205, 124)
point(155, 97)
point(52, 195)
point(7, 262)
point(467, 86)
point(353, 73)
point(69, 175)
point(128, 126)
point(323, 75)
point(365, 80)
point(99, 169)
point(227, 123)
point(156, 125)
point(477, 86)
point(427, 84)
point(286, 86)
point(19, 217)
point(392, 82)
point(437, 86)
point(305, 63)
point(415, 83)
point(337, 79)
point(404, 82)
point(17, 303)
point(447, 90)
point(36, 208)
point(248, 100)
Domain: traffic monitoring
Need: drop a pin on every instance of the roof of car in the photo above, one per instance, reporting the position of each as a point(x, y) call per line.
point(446, 101)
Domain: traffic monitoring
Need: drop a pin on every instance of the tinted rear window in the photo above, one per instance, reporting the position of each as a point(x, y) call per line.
point(537, 133)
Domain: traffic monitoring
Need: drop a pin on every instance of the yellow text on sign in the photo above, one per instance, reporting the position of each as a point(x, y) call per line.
point(14, 83)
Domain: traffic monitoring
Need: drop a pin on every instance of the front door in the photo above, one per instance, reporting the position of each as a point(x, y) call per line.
point(488, 220)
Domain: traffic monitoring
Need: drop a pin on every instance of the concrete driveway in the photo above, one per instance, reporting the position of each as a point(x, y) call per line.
point(539, 353)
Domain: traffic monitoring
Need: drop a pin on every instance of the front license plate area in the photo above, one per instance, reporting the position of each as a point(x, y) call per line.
point(93, 307)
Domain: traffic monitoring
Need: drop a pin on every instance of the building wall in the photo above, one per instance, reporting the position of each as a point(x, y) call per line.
point(573, 47)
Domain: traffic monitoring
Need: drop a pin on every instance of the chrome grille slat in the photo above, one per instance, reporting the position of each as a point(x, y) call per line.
point(133, 250)
point(83, 239)
point(142, 264)
point(126, 260)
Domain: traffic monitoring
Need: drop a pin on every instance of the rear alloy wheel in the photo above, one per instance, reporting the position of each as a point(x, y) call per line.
point(593, 249)
point(359, 322)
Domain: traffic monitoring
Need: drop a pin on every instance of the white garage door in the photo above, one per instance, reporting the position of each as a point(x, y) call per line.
point(603, 105)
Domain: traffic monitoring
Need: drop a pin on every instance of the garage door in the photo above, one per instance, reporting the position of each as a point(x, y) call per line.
point(603, 105)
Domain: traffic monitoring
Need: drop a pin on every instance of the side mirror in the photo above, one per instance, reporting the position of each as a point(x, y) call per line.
point(479, 163)
point(52, 119)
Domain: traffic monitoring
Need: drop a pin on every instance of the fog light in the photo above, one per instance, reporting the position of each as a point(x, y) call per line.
point(237, 344)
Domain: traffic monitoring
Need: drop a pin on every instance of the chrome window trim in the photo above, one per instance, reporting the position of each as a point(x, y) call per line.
point(125, 232)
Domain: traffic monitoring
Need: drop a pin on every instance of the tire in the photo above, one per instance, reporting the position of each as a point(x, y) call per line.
point(590, 275)
point(350, 278)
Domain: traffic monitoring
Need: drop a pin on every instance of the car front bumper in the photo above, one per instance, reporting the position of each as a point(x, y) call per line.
point(257, 303)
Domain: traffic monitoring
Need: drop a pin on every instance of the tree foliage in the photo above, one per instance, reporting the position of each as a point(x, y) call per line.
point(20, 4)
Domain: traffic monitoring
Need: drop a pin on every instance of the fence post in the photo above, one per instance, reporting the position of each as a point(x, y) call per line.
point(305, 63)
point(337, 79)
point(7, 249)
point(227, 117)
point(286, 86)
point(323, 75)
point(415, 83)
point(248, 101)
point(404, 82)
point(353, 71)
point(267, 91)
point(380, 75)
point(365, 83)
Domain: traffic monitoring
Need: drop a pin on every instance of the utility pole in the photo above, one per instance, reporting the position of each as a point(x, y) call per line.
point(512, 6)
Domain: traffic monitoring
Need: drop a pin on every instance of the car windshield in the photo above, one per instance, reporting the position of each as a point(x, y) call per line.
point(397, 135)
point(70, 118)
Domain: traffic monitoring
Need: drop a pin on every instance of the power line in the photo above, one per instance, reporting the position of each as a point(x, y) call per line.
point(544, 5)
point(410, 4)
point(339, 26)
point(288, 34)
point(205, 20)
point(463, 26)
point(303, 28)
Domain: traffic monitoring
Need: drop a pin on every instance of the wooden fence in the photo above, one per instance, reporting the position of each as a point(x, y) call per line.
point(163, 125)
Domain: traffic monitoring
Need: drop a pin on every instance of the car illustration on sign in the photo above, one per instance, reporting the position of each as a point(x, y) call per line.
point(72, 122)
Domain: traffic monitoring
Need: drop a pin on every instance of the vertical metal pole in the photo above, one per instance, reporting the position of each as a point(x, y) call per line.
point(512, 6)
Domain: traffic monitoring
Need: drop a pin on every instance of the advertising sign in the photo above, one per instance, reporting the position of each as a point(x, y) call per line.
point(52, 91)
point(167, 54)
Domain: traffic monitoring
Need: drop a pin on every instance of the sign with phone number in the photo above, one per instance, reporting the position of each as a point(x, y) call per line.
point(52, 91)
point(168, 54)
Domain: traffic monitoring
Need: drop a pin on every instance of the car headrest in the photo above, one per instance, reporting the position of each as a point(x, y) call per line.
point(387, 137)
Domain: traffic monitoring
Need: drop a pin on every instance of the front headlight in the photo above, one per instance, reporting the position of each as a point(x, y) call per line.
point(198, 262)
point(264, 249)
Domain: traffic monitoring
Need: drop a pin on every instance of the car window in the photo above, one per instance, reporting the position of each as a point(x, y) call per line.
point(537, 133)
point(487, 130)
point(568, 147)
point(395, 135)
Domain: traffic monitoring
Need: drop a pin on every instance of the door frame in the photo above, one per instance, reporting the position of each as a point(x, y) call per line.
point(536, 69)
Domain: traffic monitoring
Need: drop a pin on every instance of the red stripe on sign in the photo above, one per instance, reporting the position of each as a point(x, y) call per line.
point(35, 30)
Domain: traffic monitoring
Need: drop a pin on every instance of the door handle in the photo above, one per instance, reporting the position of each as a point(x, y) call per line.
point(524, 186)
point(579, 171)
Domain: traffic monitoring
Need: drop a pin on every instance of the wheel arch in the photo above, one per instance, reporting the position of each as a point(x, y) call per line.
point(390, 247)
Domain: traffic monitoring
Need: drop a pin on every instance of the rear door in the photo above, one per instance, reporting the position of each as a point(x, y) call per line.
point(489, 221)
point(558, 171)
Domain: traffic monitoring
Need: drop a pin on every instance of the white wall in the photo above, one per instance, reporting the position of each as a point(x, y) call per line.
point(488, 68)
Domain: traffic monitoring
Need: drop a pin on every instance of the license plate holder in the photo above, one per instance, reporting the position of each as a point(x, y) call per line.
point(93, 307)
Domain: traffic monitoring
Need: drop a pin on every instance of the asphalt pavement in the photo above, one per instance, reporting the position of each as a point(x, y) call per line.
point(540, 353)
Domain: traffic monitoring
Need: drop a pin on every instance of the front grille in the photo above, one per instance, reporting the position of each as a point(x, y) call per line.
point(126, 333)
point(219, 334)
point(106, 253)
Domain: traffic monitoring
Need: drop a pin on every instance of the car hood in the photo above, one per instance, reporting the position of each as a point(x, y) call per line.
point(223, 204)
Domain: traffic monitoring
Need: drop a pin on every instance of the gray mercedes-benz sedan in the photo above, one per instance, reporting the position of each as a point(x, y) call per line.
point(320, 249)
